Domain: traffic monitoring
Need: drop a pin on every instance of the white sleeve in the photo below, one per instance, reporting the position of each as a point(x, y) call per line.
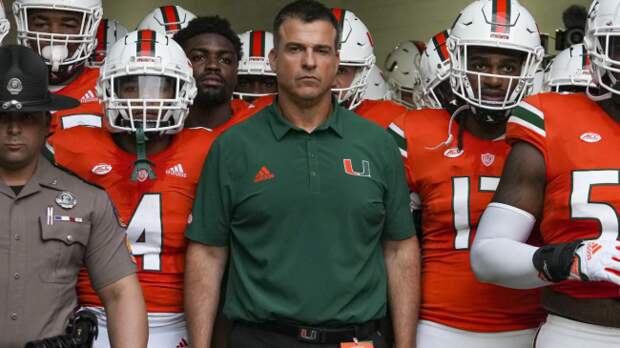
point(499, 254)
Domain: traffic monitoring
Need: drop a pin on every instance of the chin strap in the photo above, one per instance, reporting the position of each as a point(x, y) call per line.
point(142, 164)
point(450, 138)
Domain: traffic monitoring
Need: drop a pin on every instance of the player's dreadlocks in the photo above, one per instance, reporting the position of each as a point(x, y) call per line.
point(210, 24)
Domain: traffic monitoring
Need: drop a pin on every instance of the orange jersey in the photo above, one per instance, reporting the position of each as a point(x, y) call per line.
point(156, 211)
point(89, 113)
point(381, 112)
point(241, 111)
point(454, 187)
point(578, 140)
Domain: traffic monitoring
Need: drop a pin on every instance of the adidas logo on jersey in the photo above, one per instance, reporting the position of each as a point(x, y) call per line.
point(90, 96)
point(176, 170)
point(263, 175)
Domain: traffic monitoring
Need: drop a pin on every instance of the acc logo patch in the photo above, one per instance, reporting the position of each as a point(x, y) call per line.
point(591, 137)
point(487, 159)
point(66, 200)
point(453, 152)
point(102, 169)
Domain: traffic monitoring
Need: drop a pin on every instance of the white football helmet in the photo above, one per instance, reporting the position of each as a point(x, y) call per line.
point(168, 19)
point(255, 48)
point(402, 66)
point(5, 26)
point(356, 50)
point(602, 41)
point(53, 47)
point(569, 69)
point(435, 69)
point(109, 31)
point(499, 24)
point(146, 82)
point(377, 88)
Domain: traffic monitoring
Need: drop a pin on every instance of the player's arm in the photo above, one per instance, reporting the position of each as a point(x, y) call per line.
point(125, 312)
point(507, 222)
point(204, 269)
point(506, 225)
point(402, 261)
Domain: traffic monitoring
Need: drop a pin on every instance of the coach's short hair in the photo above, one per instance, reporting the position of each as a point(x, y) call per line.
point(307, 11)
point(209, 25)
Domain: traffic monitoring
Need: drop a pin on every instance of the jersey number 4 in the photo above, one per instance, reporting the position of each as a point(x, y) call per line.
point(582, 208)
point(460, 205)
point(145, 231)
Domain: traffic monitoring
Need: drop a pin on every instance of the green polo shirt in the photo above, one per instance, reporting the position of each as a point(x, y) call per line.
point(304, 216)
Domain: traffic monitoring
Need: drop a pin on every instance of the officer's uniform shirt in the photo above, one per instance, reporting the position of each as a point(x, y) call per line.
point(53, 227)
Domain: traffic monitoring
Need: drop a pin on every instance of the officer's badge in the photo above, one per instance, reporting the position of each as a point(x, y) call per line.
point(66, 200)
point(15, 86)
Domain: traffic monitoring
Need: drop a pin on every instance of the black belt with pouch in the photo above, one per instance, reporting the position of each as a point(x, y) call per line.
point(318, 335)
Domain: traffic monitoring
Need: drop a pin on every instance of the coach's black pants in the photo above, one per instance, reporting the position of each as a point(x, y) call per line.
point(243, 336)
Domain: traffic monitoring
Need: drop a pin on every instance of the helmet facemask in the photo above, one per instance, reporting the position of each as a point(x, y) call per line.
point(151, 97)
point(59, 50)
point(604, 53)
point(353, 95)
point(468, 83)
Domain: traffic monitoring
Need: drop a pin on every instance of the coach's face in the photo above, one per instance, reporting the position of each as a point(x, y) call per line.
point(305, 59)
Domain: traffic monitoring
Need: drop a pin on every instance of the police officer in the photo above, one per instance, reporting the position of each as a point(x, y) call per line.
point(310, 199)
point(53, 223)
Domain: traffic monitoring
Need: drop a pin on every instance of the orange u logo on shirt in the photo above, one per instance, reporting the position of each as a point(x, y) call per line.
point(348, 168)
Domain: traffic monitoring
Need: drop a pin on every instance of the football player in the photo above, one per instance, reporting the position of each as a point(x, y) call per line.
point(402, 68)
point(569, 71)
point(356, 60)
point(255, 78)
point(434, 72)
point(168, 19)
point(563, 174)
point(494, 48)
point(214, 50)
point(149, 165)
point(109, 31)
point(64, 32)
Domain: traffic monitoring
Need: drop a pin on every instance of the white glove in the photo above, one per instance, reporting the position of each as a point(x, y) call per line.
point(596, 260)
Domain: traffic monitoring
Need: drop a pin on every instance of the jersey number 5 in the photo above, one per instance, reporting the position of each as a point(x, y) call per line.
point(582, 208)
point(145, 231)
point(460, 206)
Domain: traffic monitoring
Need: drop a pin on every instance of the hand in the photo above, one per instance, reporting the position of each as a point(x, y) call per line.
point(597, 260)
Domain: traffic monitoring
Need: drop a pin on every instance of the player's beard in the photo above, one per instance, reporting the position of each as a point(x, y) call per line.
point(210, 97)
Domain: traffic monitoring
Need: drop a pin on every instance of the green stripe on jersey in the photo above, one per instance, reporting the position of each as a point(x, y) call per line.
point(399, 136)
point(530, 115)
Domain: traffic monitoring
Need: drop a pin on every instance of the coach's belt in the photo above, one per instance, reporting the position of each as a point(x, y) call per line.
point(321, 335)
point(596, 311)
